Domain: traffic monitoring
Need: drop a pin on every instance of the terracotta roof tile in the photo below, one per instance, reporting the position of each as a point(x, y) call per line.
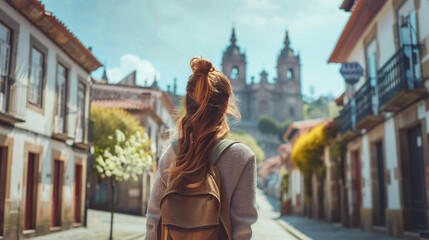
point(125, 104)
point(54, 29)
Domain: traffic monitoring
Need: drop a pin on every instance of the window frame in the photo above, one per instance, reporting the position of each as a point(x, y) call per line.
point(292, 78)
point(14, 29)
point(65, 97)
point(82, 83)
point(38, 46)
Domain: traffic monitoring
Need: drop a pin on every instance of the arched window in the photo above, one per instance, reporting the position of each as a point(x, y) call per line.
point(289, 74)
point(234, 73)
point(291, 112)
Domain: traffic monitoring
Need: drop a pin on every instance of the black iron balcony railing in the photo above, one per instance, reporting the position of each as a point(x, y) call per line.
point(364, 104)
point(345, 119)
point(401, 72)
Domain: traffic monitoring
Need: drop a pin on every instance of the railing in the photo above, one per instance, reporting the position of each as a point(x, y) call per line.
point(17, 105)
point(345, 119)
point(364, 102)
point(401, 72)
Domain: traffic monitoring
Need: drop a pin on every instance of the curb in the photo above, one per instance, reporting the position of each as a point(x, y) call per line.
point(135, 236)
point(290, 229)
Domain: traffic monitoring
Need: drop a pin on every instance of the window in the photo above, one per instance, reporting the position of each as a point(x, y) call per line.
point(60, 116)
point(80, 124)
point(234, 73)
point(36, 77)
point(5, 35)
point(291, 112)
point(289, 74)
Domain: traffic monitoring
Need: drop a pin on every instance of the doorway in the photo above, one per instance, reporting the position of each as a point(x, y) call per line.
point(31, 192)
point(381, 184)
point(57, 193)
point(77, 193)
point(417, 177)
point(357, 188)
point(3, 173)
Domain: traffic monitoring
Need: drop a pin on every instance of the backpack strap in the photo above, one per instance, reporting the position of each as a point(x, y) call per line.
point(218, 149)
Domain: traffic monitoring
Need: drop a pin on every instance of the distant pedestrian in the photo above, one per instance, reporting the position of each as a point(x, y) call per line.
point(205, 185)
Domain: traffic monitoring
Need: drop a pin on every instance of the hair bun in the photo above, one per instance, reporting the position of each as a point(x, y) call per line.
point(201, 66)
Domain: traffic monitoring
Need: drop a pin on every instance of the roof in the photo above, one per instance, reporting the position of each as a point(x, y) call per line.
point(302, 125)
point(363, 11)
point(339, 101)
point(270, 165)
point(55, 30)
point(129, 105)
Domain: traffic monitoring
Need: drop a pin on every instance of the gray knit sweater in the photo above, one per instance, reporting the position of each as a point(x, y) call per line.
point(238, 174)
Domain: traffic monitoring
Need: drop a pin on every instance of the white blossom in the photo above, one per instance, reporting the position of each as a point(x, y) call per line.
point(128, 158)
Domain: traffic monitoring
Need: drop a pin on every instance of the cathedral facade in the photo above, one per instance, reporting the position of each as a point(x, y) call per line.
point(280, 98)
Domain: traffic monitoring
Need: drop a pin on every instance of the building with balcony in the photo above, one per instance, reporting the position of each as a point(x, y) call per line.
point(44, 110)
point(384, 120)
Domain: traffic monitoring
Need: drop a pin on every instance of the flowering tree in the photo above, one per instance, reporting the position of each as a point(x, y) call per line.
point(126, 160)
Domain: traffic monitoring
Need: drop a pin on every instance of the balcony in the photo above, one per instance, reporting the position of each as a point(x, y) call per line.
point(399, 80)
point(12, 105)
point(367, 107)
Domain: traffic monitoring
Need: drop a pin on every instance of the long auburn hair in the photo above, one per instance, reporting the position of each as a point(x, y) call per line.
point(208, 102)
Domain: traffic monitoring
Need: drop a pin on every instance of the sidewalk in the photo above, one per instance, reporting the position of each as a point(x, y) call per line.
point(305, 229)
point(126, 227)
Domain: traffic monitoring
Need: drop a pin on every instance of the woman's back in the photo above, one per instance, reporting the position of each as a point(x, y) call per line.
point(238, 173)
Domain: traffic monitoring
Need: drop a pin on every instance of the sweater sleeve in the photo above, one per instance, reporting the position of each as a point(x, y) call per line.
point(158, 189)
point(243, 203)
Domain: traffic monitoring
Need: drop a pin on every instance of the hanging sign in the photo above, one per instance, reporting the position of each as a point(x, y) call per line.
point(351, 72)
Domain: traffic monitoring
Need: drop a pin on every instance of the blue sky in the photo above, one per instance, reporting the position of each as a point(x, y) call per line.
point(160, 37)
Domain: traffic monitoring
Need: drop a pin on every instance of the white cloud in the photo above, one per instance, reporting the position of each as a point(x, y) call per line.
point(129, 63)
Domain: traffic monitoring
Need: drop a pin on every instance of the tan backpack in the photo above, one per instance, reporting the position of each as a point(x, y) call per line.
point(196, 211)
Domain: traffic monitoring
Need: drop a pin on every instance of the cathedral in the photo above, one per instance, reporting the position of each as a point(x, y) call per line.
point(280, 98)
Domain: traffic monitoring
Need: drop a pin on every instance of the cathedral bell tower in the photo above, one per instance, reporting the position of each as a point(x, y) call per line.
point(234, 64)
point(288, 66)
point(234, 67)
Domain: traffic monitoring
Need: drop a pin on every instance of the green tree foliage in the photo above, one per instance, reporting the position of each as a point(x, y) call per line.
point(249, 141)
point(105, 123)
point(267, 125)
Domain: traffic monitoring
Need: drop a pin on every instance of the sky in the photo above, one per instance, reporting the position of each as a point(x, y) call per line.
point(158, 38)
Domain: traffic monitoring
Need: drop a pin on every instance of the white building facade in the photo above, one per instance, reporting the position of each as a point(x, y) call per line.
point(44, 121)
point(384, 121)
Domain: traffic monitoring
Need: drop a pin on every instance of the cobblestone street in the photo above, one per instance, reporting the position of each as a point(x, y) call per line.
point(126, 227)
point(267, 226)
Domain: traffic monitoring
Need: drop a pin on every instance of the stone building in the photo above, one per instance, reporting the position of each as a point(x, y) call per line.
point(280, 98)
point(44, 120)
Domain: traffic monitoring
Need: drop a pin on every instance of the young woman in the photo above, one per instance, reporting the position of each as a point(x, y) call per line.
point(208, 102)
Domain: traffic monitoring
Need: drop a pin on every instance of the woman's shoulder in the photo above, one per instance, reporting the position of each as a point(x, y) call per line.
point(239, 151)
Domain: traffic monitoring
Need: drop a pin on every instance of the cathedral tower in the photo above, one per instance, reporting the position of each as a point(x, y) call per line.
point(289, 82)
point(234, 67)
point(288, 66)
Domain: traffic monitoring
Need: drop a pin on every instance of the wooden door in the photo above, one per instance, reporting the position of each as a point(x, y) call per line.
point(358, 188)
point(381, 183)
point(77, 193)
point(417, 177)
point(30, 193)
point(3, 171)
point(57, 186)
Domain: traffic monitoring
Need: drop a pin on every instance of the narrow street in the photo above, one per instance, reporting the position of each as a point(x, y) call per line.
point(267, 227)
